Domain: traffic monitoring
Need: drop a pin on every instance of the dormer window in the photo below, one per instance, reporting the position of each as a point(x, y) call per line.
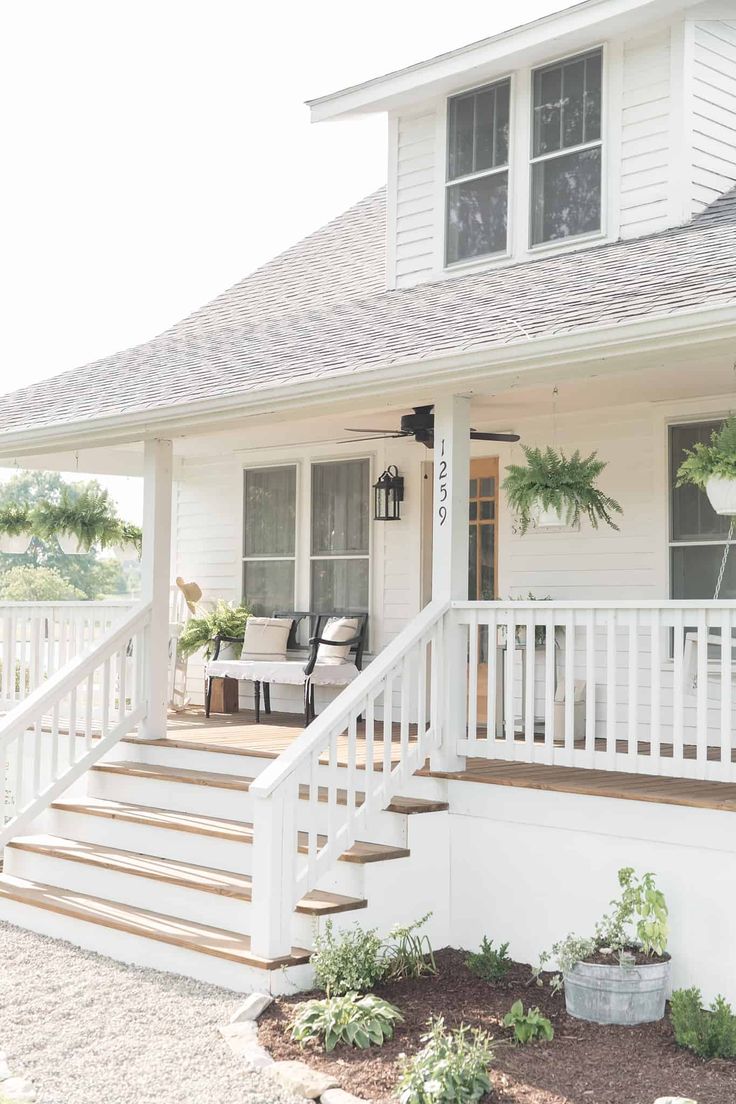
point(567, 149)
point(477, 172)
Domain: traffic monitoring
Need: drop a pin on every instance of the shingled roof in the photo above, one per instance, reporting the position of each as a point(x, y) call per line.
point(320, 310)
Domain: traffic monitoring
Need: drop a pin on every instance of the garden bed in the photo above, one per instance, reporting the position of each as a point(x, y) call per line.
point(585, 1062)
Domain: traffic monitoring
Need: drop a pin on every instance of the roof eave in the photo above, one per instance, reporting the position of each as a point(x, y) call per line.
point(569, 30)
point(459, 370)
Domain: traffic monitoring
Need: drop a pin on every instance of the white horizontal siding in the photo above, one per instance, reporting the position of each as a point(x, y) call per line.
point(414, 229)
point(713, 111)
point(645, 134)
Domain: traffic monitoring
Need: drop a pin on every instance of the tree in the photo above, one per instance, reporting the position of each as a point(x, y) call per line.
point(90, 576)
point(36, 584)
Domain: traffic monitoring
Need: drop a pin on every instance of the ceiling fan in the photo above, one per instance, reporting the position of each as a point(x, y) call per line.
point(420, 426)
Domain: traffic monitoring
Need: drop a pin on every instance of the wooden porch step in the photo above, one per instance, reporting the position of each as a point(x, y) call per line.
point(235, 831)
point(172, 872)
point(403, 805)
point(148, 925)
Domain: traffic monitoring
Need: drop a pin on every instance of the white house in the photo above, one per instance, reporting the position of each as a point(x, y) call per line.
point(554, 257)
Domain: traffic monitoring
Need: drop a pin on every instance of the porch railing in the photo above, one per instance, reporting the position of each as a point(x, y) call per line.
point(69, 721)
point(39, 638)
point(369, 740)
point(644, 687)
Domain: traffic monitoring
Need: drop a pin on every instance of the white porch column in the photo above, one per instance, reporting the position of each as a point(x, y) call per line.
point(450, 560)
point(155, 579)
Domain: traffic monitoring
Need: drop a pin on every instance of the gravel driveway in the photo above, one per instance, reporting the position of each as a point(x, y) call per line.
point(87, 1030)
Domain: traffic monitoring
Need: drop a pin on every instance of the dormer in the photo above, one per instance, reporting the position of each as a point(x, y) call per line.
point(612, 119)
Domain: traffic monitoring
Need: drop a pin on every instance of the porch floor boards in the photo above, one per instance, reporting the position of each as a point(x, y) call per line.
point(694, 793)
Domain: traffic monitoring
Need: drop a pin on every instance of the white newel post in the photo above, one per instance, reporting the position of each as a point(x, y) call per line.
point(450, 561)
point(155, 577)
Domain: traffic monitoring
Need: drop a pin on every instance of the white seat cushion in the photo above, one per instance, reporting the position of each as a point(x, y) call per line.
point(287, 671)
point(339, 628)
point(266, 638)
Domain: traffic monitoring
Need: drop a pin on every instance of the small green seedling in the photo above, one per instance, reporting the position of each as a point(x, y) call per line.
point(528, 1027)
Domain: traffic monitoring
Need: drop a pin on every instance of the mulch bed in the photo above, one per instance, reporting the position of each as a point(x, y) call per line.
point(584, 1064)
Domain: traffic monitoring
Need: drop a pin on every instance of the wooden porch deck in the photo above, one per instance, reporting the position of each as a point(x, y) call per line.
point(239, 735)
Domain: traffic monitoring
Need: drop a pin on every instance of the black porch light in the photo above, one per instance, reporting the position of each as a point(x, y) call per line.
point(388, 494)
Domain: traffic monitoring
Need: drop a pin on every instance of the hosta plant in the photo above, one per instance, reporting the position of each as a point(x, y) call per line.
point(528, 1027)
point(408, 953)
point(710, 1032)
point(451, 1068)
point(552, 480)
point(489, 963)
point(718, 459)
point(349, 961)
point(349, 1020)
point(223, 619)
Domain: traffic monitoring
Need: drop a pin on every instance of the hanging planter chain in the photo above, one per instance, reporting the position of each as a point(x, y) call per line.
point(726, 550)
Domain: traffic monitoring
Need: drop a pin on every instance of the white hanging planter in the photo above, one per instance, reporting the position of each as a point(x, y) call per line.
point(71, 545)
point(549, 517)
point(124, 553)
point(722, 495)
point(229, 650)
point(15, 544)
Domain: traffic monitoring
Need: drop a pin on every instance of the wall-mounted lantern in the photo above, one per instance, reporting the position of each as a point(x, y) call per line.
point(388, 494)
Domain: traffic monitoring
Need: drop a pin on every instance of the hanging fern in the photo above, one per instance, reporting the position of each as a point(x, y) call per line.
point(15, 518)
point(555, 481)
point(87, 515)
point(703, 462)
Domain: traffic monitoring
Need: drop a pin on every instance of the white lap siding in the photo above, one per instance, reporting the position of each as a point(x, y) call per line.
point(713, 111)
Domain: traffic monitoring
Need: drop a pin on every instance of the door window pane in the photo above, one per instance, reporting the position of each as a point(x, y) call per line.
point(476, 217)
point(340, 496)
point(270, 511)
point(339, 585)
point(566, 196)
point(268, 585)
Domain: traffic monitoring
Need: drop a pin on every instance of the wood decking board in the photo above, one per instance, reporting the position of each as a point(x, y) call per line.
point(173, 872)
point(149, 925)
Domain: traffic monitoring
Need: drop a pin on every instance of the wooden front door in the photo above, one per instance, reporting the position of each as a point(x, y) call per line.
point(483, 556)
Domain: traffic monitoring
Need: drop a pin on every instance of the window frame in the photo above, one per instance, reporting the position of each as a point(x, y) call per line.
point(293, 558)
point(315, 556)
point(603, 143)
point(467, 178)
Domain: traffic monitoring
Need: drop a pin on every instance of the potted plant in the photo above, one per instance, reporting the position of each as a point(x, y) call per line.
point(78, 520)
point(713, 467)
point(554, 490)
point(621, 974)
point(129, 542)
point(223, 619)
point(16, 531)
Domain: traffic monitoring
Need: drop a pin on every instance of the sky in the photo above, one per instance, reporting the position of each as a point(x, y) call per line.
point(156, 151)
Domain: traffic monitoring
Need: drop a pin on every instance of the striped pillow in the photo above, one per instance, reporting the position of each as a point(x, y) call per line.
point(266, 638)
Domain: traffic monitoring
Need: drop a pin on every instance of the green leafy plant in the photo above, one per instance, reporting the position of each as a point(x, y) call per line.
point(37, 584)
point(15, 518)
point(638, 920)
point(702, 462)
point(555, 481)
point(409, 954)
point(348, 962)
point(223, 619)
point(349, 1019)
point(88, 515)
point(452, 1066)
point(711, 1033)
point(489, 963)
point(130, 534)
point(529, 1026)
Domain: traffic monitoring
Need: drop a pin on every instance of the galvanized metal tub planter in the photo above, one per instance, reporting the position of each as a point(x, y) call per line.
point(614, 994)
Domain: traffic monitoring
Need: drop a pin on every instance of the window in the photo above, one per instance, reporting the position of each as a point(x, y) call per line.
point(567, 149)
point(477, 172)
point(269, 541)
point(697, 533)
point(340, 535)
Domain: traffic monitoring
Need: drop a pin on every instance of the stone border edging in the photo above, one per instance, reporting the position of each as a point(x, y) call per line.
point(241, 1035)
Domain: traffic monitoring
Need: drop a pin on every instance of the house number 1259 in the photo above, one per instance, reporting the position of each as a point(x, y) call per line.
point(442, 484)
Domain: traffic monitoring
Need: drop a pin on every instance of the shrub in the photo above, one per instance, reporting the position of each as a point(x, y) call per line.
point(451, 1066)
point(711, 1033)
point(409, 955)
point(348, 1019)
point(350, 962)
point(528, 1026)
point(26, 583)
point(488, 963)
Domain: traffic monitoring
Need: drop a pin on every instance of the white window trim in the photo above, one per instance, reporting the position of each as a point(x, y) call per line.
point(338, 555)
point(599, 143)
point(244, 559)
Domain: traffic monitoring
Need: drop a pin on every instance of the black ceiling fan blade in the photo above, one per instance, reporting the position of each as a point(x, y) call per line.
point(372, 429)
point(371, 437)
point(476, 435)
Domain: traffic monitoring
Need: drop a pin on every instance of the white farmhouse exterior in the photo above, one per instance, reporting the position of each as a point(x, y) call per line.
point(554, 257)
